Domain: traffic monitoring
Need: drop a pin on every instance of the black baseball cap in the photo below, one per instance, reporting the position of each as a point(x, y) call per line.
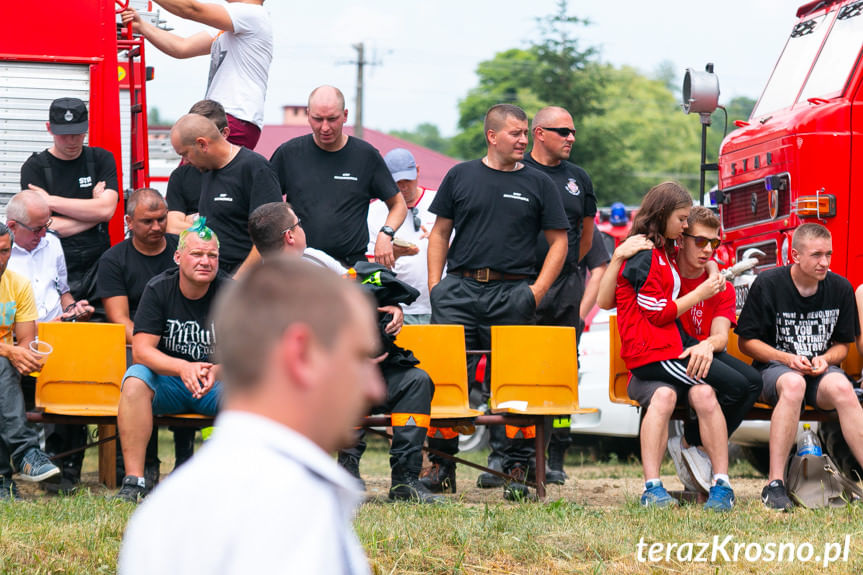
point(68, 116)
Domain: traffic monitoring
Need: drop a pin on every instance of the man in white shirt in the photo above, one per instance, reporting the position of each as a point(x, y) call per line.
point(295, 343)
point(38, 256)
point(411, 263)
point(240, 56)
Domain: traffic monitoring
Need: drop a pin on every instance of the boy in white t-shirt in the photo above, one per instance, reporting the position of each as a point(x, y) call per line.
point(240, 56)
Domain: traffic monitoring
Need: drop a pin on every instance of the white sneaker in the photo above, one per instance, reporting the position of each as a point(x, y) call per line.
point(675, 450)
point(700, 466)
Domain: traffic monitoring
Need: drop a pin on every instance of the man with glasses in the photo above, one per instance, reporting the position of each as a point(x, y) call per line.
point(553, 137)
point(411, 261)
point(38, 256)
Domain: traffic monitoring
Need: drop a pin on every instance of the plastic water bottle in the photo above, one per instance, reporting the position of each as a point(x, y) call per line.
point(808, 443)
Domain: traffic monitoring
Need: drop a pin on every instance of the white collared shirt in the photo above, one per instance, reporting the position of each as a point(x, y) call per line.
point(257, 498)
point(45, 267)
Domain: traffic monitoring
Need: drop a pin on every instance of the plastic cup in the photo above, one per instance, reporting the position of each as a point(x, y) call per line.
point(43, 350)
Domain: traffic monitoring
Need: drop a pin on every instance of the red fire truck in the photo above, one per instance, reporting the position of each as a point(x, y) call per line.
point(799, 158)
point(56, 48)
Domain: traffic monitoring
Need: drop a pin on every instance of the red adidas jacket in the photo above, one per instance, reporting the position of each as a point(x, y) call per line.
point(647, 286)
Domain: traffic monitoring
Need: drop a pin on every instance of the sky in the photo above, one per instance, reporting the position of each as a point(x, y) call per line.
point(426, 53)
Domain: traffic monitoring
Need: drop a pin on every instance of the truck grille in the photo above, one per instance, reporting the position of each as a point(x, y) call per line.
point(753, 203)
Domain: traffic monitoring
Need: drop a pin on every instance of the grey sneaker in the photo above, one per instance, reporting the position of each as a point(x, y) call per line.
point(700, 466)
point(133, 490)
point(675, 450)
point(36, 466)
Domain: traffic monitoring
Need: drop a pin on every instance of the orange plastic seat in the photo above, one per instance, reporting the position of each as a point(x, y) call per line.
point(83, 374)
point(534, 370)
point(618, 375)
point(441, 352)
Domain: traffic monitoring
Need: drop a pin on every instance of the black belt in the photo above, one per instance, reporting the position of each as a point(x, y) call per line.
point(485, 275)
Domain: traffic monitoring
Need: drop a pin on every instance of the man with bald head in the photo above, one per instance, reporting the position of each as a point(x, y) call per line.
point(236, 181)
point(330, 178)
point(553, 136)
point(497, 207)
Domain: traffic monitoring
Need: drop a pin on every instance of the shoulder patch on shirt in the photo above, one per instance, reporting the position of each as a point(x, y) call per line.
point(572, 187)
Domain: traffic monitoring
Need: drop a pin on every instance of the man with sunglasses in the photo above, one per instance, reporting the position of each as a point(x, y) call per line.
point(704, 329)
point(553, 137)
point(411, 262)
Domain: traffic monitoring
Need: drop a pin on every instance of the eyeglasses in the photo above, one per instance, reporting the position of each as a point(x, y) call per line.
point(299, 223)
point(36, 230)
point(701, 241)
point(562, 132)
point(416, 217)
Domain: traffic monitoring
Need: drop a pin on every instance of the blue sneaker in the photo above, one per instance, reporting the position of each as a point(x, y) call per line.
point(721, 497)
point(655, 495)
point(37, 466)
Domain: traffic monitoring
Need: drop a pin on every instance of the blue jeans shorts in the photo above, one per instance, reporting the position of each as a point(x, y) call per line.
point(171, 396)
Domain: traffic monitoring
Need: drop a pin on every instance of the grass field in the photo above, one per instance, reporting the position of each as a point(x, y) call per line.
point(592, 525)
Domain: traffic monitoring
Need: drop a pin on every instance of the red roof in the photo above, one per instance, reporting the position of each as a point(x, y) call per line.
point(433, 166)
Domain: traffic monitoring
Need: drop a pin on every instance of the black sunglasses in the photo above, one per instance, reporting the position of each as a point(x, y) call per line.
point(701, 241)
point(299, 223)
point(563, 132)
point(416, 217)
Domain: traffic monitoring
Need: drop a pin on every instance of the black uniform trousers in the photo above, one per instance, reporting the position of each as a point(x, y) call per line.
point(478, 306)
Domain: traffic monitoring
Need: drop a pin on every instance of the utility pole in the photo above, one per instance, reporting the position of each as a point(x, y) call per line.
point(358, 121)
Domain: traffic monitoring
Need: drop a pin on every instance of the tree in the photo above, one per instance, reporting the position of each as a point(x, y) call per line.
point(427, 135)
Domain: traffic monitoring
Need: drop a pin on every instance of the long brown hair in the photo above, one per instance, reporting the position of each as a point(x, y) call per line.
point(656, 208)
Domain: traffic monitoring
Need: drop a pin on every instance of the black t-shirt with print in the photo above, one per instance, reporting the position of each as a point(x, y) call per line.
point(184, 189)
point(184, 325)
point(229, 195)
point(579, 202)
point(331, 191)
point(778, 315)
point(72, 179)
point(497, 216)
point(124, 271)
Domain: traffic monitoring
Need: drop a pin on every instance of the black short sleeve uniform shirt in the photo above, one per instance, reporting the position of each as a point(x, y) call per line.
point(331, 191)
point(497, 216)
point(229, 195)
point(184, 189)
point(124, 271)
point(72, 179)
point(579, 202)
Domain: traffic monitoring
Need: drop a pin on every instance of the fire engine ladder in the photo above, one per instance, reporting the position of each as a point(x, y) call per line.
point(131, 48)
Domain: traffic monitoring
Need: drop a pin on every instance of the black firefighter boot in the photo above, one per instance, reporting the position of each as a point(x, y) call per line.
point(406, 459)
point(440, 477)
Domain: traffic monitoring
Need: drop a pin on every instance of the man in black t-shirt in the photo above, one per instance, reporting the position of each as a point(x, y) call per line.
point(497, 207)
point(173, 350)
point(126, 268)
point(796, 324)
point(236, 180)
point(553, 136)
point(184, 185)
point(330, 178)
point(80, 184)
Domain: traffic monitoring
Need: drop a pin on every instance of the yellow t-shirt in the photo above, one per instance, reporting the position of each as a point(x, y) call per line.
point(16, 303)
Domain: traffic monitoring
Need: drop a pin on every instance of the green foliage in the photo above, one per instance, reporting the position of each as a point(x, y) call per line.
point(632, 133)
point(427, 135)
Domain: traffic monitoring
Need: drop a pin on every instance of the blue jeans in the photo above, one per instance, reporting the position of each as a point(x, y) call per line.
point(16, 437)
point(170, 394)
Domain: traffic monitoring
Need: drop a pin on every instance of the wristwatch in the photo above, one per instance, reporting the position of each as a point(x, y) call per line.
point(388, 231)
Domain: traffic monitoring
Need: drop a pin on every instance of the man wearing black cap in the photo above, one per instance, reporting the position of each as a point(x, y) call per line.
point(80, 185)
